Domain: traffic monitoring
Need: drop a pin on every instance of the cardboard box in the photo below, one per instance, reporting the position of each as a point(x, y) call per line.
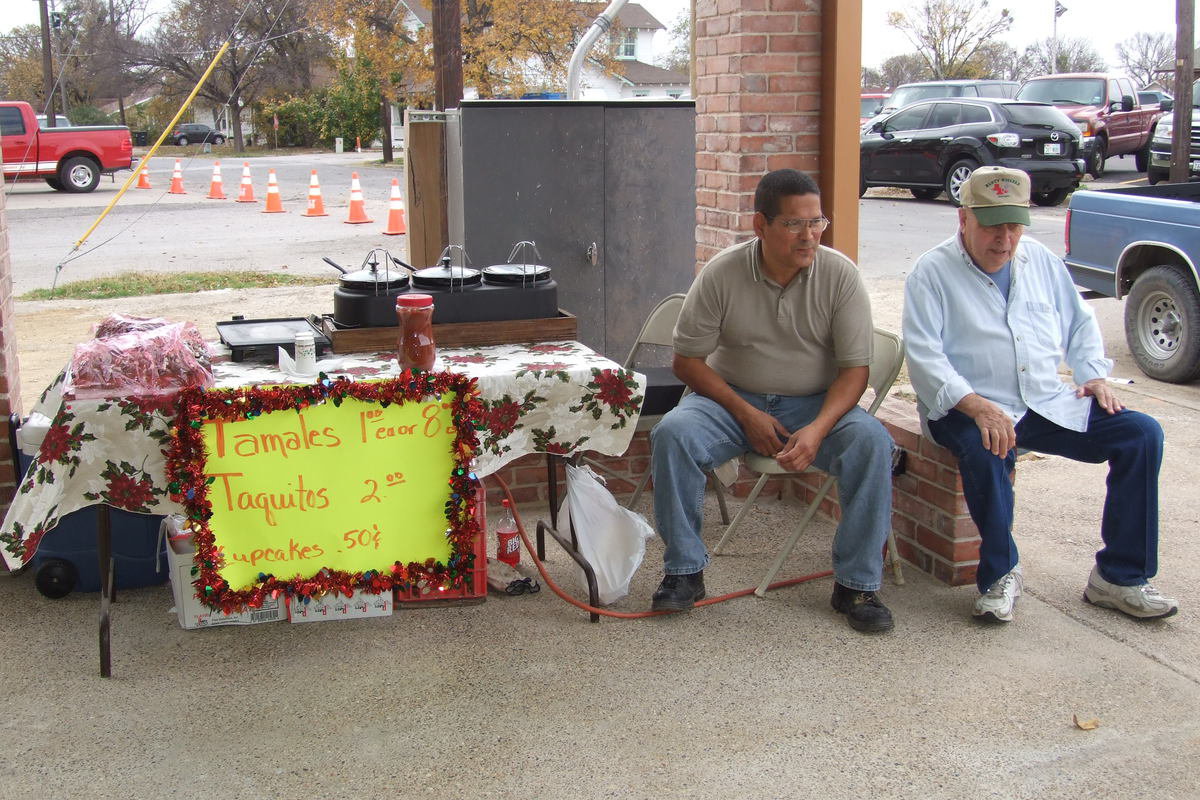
point(359, 605)
point(191, 612)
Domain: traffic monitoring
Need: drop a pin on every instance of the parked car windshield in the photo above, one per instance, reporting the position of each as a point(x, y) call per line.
point(870, 106)
point(911, 94)
point(1077, 91)
point(1038, 115)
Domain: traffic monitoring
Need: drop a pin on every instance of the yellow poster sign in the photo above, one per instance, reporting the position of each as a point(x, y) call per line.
point(351, 487)
point(331, 487)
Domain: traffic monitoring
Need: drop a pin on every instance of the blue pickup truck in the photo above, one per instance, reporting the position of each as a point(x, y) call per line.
point(1142, 243)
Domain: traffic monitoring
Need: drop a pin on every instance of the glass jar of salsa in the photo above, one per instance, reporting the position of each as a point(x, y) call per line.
point(416, 349)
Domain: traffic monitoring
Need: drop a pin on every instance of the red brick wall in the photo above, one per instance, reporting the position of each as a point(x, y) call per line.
point(10, 387)
point(758, 71)
point(933, 531)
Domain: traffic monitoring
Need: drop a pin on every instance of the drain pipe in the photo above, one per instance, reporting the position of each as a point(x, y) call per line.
point(601, 25)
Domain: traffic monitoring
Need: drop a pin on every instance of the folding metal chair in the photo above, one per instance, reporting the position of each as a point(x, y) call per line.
point(884, 367)
point(663, 389)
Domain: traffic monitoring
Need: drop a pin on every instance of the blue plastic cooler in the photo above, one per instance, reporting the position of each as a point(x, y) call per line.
point(66, 559)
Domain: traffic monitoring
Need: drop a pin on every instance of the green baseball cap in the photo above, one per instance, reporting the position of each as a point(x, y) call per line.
point(997, 195)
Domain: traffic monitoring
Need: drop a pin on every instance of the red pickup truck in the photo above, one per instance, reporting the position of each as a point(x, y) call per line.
point(69, 159)
point(1107, 111)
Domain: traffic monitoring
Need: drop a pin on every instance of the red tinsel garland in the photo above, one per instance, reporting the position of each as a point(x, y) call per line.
point(189, 486)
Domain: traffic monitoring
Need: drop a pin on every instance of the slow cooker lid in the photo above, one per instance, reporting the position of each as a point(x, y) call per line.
point(516, 273)
point(446, 277)
point(375, 280)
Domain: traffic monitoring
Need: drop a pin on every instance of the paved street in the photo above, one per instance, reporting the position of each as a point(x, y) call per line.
point(151, 230)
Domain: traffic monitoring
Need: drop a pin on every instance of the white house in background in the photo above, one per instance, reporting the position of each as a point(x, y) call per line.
point(634, 75)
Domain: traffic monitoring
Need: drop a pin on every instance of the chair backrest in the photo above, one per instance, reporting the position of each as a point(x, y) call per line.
point(659, 327)
point(885, 366)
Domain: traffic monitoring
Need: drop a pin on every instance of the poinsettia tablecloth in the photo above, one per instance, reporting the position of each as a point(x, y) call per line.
point(550, 397)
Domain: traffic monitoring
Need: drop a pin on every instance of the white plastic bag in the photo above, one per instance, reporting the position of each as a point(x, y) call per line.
point(611, 537)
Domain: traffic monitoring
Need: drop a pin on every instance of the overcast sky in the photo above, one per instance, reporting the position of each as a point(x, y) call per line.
point(1101, 22)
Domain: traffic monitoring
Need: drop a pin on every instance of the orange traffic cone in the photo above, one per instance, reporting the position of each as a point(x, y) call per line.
point(246, 191)
point(144, 178)
point(395, 222)
point(177, 180)
point(274, 201)
point(358, 210)
point(316, 208)
point(215, 190)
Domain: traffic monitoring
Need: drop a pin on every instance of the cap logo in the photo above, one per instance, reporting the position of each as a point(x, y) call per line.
point(998, 189)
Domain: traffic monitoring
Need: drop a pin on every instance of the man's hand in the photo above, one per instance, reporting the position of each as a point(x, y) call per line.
point(1099, 389)
point(765, 433)
point(999, 435)
point(800, 449)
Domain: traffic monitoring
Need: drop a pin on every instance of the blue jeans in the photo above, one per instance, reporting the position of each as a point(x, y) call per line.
point(1131, 443)
point(699, 435)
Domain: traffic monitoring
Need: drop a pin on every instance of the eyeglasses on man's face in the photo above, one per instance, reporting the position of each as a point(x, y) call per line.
point(817, 225)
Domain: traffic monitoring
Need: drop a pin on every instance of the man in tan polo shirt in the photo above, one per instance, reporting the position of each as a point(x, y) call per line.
point(774, 340)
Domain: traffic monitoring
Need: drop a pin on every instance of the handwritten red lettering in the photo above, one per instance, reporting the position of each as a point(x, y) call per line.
point(294, 552)
point(300, 498)
point(364, 537)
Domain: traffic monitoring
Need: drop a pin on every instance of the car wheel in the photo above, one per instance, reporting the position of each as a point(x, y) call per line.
point(79, 174)
point(925, 194)
point(1162, 325)
point(1099, 155)
point(955, 178)
point(1050, 198)
point(182, 141)
point(1141, 159)
point(1154, 176)
point(54, 183)
point(218, 140)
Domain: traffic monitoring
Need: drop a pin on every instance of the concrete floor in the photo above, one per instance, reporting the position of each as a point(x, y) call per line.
point(522, 697)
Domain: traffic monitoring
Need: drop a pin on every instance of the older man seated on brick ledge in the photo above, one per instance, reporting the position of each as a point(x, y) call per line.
point(775, 340)
point(988, 317)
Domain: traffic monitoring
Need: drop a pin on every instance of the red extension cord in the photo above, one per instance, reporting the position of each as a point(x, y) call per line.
point(628, 614)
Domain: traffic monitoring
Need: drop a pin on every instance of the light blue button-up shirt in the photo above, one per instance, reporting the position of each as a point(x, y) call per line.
point(960, 336)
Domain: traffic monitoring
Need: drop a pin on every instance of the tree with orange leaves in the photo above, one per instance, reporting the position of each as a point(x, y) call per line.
point(509, 46)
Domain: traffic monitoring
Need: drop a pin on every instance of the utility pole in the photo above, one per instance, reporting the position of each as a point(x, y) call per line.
point(1059, 10)
point(120, 70)
point(47, 64)
point(56, 24)
point(1181, 130)
point(447, 54)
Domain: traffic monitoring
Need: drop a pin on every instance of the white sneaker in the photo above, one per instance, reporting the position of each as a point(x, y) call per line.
point(997, 602)
point(1143, 602)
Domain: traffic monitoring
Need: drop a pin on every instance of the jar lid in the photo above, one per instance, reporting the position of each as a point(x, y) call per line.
point(413, 300)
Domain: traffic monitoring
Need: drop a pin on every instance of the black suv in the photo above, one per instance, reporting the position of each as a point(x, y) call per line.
point(196, 133)
point(934, 145)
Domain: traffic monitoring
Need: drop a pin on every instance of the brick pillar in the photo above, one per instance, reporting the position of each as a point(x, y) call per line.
point(10, 387)
point(758, 88)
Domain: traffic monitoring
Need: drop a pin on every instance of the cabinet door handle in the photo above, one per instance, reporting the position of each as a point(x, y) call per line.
point(593, 254)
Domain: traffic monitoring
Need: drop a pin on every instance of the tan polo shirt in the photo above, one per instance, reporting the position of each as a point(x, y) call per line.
point(769, 339)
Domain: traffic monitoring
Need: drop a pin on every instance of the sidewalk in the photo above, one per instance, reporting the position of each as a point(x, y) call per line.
point(522, 697)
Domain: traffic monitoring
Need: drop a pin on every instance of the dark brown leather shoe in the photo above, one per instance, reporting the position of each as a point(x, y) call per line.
point(863, 610)
point(678, 592)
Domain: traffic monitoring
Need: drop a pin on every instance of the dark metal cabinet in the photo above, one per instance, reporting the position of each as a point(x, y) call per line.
point(606, 189)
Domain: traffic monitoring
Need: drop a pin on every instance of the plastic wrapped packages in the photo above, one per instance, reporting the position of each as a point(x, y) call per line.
point(156, 361)
point(121, 324)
